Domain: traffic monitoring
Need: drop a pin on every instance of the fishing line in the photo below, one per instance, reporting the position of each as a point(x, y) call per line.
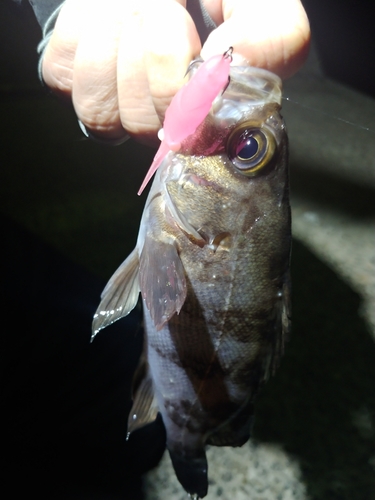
point(324, 113)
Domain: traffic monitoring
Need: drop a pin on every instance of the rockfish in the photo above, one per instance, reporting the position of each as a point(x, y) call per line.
point(212, 265)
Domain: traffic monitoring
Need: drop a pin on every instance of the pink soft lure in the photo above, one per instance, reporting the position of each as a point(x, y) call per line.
point(190, 106)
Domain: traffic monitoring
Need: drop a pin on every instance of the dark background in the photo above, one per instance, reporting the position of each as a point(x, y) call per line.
point(69, 216)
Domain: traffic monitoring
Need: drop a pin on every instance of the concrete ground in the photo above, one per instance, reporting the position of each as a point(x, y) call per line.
point(70, 215)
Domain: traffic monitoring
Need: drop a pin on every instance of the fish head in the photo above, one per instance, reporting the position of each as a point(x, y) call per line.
point(236, 161)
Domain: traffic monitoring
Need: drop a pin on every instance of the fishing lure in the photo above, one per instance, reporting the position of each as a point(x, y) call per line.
point(190, 106)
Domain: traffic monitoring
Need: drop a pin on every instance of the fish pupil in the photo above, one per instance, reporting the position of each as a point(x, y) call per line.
point(247, 148)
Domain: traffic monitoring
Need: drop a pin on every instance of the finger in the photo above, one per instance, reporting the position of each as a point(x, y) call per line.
point(58, 58)
point(269, 34)
point(137, 112)
point(95, 71)
point(169, 47)
point(154, 53)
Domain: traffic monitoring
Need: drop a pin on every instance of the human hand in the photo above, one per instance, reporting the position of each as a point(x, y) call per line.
point(122, 61)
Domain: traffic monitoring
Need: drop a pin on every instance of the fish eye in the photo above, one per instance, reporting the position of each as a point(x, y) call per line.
point(251, 148)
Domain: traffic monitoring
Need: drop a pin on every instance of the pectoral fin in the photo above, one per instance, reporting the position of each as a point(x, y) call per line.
point(120, 295)
point(162, 280)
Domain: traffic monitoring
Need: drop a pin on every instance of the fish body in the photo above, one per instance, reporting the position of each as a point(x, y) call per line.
point(212, 264)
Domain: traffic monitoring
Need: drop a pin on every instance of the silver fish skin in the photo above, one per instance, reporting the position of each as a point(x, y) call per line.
point(212, 264)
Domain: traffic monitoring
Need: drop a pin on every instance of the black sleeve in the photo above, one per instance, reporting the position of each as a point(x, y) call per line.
point(44, 9)
point(202, 20)
point(46, 12)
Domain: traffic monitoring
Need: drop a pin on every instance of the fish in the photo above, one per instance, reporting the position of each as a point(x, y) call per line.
point(212, 264)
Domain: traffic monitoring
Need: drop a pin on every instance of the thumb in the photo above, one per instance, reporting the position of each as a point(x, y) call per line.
point(270, 34)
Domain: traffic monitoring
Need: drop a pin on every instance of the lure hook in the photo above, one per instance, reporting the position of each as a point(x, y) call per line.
point(228, 54)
